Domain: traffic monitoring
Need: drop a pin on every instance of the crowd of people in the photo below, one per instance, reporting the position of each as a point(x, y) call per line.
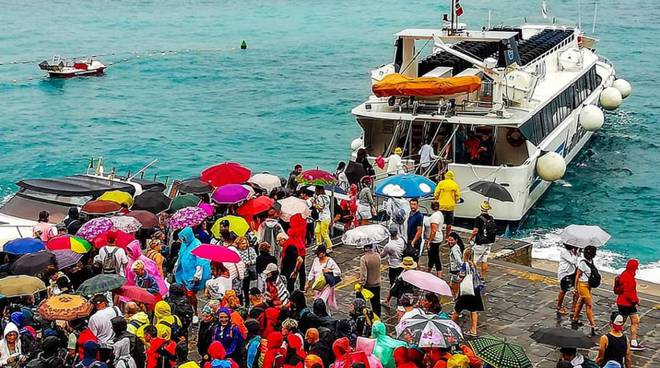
point(271, 309)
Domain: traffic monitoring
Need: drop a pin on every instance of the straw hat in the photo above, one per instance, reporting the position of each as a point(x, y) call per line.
point(398, 151)
point(485, 206)
point(408, 263)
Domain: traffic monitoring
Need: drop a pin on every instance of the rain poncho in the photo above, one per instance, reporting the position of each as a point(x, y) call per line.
point(137, 323)
point(188, 265)
point(122, 352)
point(163, 317)
point(447, 192)
point(367, 346)
point(628, 296)
point(134, 253)
point(385, 345)
point(4, 349)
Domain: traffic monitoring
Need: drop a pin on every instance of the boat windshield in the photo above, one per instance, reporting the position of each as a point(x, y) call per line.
point(27, 205)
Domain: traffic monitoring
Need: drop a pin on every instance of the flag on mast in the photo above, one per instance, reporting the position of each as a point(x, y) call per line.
point(458, 9)
point(544, 9)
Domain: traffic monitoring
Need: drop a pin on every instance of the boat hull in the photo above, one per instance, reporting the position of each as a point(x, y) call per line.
point(75, 73)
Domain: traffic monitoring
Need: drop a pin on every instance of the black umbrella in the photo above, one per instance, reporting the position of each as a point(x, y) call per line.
point(354, 172)
point(194, 186)
point(562, 337)
point(152, 201)
point(491, 189)
point(33, 264)
point(100, 284)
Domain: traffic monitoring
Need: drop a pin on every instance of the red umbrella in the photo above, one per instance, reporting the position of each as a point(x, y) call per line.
point(121, 238)
point(100, 207)
point(226, 173)
point(146, 218)
point(137, 294)
point(316, 177)
point(216, 253)
point(255, 206)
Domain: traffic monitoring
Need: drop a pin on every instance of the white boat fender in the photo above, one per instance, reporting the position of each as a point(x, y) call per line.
point(356, 144)
point(610, 98)
point(623, 86)
point(591, 118)
point(550, 166)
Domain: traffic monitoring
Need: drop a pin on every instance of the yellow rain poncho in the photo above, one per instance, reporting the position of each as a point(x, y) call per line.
point(447, 192)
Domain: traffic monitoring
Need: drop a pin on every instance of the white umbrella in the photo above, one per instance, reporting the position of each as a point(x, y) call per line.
point(126, 223)
point(291, 206)
point(582, 236)
point(266, 181)
point(429, 331)
point(367, 234)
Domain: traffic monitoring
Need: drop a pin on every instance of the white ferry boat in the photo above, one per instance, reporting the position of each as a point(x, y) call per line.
point(512, 105)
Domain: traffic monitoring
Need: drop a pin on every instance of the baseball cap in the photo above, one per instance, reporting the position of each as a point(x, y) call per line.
point(617, 319)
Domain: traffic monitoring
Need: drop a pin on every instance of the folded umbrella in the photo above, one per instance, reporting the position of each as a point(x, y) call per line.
point(183, 201)
point(237, 225)
point(69, 242)
point(290, 206)
point(316, 177)
point(216, 253)
point(255, 206)
point(582, 236)
point(367, 234)
point(562, 337)
point(121, 238)
point(498, 352)
point(137, 294)
point(20, 285)
point(405, 186)
point(64, 307)
point(225, 173)
point(188, 216)
point(153, 201)
point(92, 228)
point(427, 281)
point(66, 258)
point(23, 246)
point(429, 331)
point(100, 207)
point(194, 186)
point(117, 196)
point(146, 218)
point(266, 181)
point(230, 194)
point(33, 264)
point(126, 223)
point(101, 284)
point(491, 189)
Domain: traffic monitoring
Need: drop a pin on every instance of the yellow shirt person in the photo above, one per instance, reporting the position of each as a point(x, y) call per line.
point(447, 192)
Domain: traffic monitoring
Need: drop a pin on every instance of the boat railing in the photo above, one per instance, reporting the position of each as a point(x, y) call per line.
point(532, 64)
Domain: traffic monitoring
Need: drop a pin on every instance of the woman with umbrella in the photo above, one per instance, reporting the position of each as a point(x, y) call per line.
point(469, 297)
point(191, 271)
point(321, 202)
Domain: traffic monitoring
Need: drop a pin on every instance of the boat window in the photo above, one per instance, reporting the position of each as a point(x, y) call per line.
point(67, 200)
point(28, 208)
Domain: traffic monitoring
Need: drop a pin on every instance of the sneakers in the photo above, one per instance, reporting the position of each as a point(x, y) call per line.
point(195, 320)
point(636, 346)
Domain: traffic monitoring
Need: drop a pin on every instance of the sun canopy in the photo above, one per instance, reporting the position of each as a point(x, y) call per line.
point(399, 85)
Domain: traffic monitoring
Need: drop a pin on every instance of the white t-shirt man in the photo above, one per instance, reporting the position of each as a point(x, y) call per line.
point(435, 218)
point(101, 325)
point(426, 155)
point(567, 262)
point(394, 165)
point(121, 259)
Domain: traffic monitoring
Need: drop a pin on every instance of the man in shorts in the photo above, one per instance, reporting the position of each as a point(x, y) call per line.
point(433, 237)
point(625, 287)
point(483, 236)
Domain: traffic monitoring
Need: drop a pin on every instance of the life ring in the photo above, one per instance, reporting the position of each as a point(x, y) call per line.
point(514, 137)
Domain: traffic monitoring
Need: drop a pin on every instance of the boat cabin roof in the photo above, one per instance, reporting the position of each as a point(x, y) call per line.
point(472, 35)
point(83, 185)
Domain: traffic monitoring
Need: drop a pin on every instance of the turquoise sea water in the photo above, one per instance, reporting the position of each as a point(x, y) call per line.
point(287, 99)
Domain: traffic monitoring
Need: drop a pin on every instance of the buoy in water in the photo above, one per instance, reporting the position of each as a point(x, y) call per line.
point(591, 118)
point(623, 86)
point(243, 45)
point(551, 166)
point(610, 98)
point(356, 144)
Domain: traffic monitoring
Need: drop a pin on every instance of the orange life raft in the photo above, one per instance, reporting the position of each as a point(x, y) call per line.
point(399, 85)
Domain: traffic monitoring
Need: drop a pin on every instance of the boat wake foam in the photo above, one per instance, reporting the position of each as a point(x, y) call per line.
point(546, 246)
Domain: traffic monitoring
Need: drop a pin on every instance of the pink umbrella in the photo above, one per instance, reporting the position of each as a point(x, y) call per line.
point(93, 228)
point(187, 216)
point(216, 253)
point(426, 281)
point(230, 194)
point(207, 207)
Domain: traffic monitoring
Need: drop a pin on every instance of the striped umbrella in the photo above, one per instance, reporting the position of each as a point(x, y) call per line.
point(69, 242)
point(429, 331)
point(500, 353)
point(66, 258)
point(101, 284)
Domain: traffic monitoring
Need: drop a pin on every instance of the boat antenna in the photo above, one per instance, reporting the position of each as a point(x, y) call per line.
point(489, 15)
point(593, 26)
point(141, 171)
point(579, 14)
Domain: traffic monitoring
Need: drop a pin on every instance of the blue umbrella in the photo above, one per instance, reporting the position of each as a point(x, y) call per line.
point(405, 186)
point(23, 246)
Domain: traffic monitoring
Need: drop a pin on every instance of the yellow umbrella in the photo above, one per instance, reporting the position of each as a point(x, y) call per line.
point(11, 286)
point(237, 225)
point(117, 196)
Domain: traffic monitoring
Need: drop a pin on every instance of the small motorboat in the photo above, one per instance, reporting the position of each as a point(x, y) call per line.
point(61, 68)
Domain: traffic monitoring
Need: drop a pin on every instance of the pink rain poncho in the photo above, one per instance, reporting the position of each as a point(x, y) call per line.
point(134, 253)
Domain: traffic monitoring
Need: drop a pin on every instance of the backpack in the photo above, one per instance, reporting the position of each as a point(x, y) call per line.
point(165, 359)
point(399, 216)
point(594, 277)
point(618, 287)
point(110, 264)
point(278, 361)
point(410, 251)
point(174, 327)
point(184, 311)
point(486, 234)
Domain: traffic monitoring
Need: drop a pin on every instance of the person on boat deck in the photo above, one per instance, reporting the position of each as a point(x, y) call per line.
point(362, 159)
point(427, 158)
point(485, 150)
point(472, 148)
point(394, 164)
point(43, 230)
